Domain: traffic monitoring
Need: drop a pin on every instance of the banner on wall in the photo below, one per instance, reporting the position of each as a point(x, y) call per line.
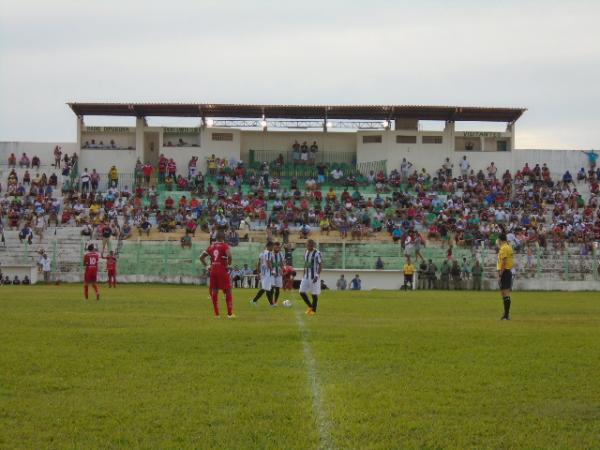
point(484, 134)
point(108, 129)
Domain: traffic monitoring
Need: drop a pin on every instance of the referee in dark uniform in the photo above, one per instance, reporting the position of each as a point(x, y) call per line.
point(504, 266)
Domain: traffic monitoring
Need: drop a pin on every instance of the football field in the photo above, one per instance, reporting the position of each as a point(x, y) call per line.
point(149, 367)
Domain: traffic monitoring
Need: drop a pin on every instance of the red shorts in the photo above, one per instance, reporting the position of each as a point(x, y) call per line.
point(112, 273)
point(219, 279)
point(91, 275)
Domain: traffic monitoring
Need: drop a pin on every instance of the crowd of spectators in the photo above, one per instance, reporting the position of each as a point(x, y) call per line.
point(409, 206)
point(101, 145)
point(30, 202)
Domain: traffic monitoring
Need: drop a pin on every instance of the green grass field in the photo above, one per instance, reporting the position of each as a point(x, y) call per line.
point(148, 367)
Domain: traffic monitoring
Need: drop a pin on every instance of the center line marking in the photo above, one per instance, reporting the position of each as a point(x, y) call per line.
point(323, 423)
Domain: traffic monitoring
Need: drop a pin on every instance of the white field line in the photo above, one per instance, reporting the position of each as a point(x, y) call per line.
point(323, 423)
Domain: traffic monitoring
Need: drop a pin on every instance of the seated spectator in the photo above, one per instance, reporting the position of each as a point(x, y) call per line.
point(337, 175)
point(236, 277)
point(167, 224)
point(304, 231)
point(126, 230)
point(379, 263)
point(186, 241)
point(6, 281)
point(12, 161)
point(16, 281)
point(356, 283)
point(233, 239)
point(144, 226)
point(169, 183)
point(325, 225)
point(35, 162)
point(24, 161)
point(341, 283)
point(190, 227)
point(26, 281)
point(87, 230)
point(26, 234)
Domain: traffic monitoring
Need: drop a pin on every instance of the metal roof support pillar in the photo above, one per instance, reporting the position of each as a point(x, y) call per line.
point(139, 138)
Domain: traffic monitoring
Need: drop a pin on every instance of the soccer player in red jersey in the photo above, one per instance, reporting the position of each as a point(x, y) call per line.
point(90, 261)
point(220, 259)
point(288, 278)
point(111, 268)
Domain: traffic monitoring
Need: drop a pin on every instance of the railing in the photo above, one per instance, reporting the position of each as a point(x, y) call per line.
point(169, 259)
point(372, 166)
point(125, 179)
point(327, 157)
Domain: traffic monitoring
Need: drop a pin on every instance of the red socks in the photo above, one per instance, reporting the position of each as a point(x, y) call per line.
point(229, 301)
point(214, 295)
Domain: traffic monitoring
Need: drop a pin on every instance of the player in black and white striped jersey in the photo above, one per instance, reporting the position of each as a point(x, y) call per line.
point(277, 263)
point(311, 280)
point(264, 268)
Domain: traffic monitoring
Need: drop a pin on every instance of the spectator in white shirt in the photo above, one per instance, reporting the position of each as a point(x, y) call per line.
point(464, 167)
point(46, 267)
point(85, 181)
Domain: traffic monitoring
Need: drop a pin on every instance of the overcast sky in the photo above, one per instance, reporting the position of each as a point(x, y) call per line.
point(542, 55)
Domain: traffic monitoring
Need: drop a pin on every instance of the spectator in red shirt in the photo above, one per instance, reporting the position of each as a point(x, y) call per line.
point(162, 168)
point(172, 167)
point(147, 171)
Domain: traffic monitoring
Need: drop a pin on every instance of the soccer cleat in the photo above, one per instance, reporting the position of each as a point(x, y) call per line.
point(309, 311)
point(216, 317)
point(253, 303)
point(274, 305)
point(231, 316)
point(504, 318)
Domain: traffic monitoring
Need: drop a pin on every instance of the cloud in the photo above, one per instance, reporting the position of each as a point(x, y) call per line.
point(539, 54)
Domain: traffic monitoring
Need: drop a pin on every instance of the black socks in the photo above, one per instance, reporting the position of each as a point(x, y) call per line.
point(506, 301)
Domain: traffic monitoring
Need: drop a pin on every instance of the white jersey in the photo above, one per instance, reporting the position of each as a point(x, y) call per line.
point(265, 259)
point(277, 261)
point(312, 264)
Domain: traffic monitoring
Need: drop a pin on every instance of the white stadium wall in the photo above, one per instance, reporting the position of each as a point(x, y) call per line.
point(428, 156)
point(45, 150)
point(103, 159)
point(221, 149)
point(282, 141)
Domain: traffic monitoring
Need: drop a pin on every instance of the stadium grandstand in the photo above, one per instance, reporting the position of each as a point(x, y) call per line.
point(369, 183)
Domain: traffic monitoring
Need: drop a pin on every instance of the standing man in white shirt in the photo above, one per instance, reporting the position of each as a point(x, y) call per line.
point(405, 167)
point(464, 167)
point(85, 181)
point(46, 267)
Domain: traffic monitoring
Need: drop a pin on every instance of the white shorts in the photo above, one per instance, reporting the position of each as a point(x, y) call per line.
point(307, 285)
point(265, 282)
point(277, 281)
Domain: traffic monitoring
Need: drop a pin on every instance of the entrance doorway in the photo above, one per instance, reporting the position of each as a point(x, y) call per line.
point(151, 148)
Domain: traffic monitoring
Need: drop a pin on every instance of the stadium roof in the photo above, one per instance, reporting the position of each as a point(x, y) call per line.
point(301, 112)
